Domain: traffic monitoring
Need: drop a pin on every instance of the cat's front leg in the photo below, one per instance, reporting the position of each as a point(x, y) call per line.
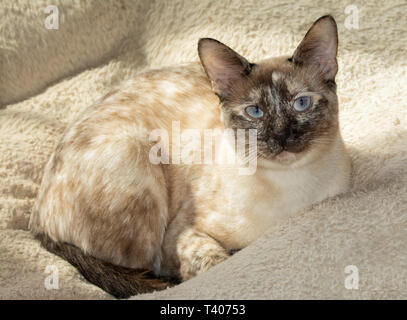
point(190, 252)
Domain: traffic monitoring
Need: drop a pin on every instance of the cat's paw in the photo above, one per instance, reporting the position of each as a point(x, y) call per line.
point(209, 255)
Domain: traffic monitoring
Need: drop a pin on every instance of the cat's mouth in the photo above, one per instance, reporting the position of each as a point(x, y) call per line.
point(289, 148)
point(283, 155)
point(286, 156)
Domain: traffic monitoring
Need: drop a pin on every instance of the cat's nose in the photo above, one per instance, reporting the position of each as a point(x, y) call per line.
point(281, 138)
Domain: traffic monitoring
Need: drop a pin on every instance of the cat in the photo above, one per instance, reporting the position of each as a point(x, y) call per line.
point(130, 225)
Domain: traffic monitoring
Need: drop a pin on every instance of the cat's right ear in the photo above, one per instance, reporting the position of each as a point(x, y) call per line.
point(319, 47)
point(222, 65)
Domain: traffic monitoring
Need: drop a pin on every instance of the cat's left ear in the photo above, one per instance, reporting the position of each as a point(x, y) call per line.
point(319, 47)
point(222, 65)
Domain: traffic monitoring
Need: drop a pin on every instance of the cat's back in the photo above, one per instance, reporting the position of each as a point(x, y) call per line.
point(100, 174)
point(119, 126)
point(157, 98)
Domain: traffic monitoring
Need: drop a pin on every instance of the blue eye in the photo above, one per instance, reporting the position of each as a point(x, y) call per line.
point(254, 112)
point(302, 104)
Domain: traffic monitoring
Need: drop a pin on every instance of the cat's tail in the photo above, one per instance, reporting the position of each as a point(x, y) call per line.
point(119, 281)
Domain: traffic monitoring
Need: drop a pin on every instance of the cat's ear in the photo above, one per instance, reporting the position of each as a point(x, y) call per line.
point(319, 47)
point(222, 65)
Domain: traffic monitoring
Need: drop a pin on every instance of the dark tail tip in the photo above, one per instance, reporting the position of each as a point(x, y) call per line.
point(118, 281)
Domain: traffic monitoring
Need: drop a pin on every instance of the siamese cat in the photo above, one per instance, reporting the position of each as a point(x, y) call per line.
point(129, 223)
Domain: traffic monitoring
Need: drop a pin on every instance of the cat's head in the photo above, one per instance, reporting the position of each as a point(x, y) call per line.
point(291, 101)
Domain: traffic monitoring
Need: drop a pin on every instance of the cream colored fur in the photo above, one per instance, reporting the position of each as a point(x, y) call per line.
point(48, 77)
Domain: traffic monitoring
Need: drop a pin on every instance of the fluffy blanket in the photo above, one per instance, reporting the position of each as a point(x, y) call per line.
point(353, 246)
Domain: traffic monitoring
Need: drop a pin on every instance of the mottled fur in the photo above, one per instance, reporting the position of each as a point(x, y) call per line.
point(101, 194)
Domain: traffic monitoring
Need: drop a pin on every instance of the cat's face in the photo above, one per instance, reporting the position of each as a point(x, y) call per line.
point(290, 101)
point(292, 109)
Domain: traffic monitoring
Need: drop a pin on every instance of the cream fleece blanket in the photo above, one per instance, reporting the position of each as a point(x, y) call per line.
point(49, 76)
